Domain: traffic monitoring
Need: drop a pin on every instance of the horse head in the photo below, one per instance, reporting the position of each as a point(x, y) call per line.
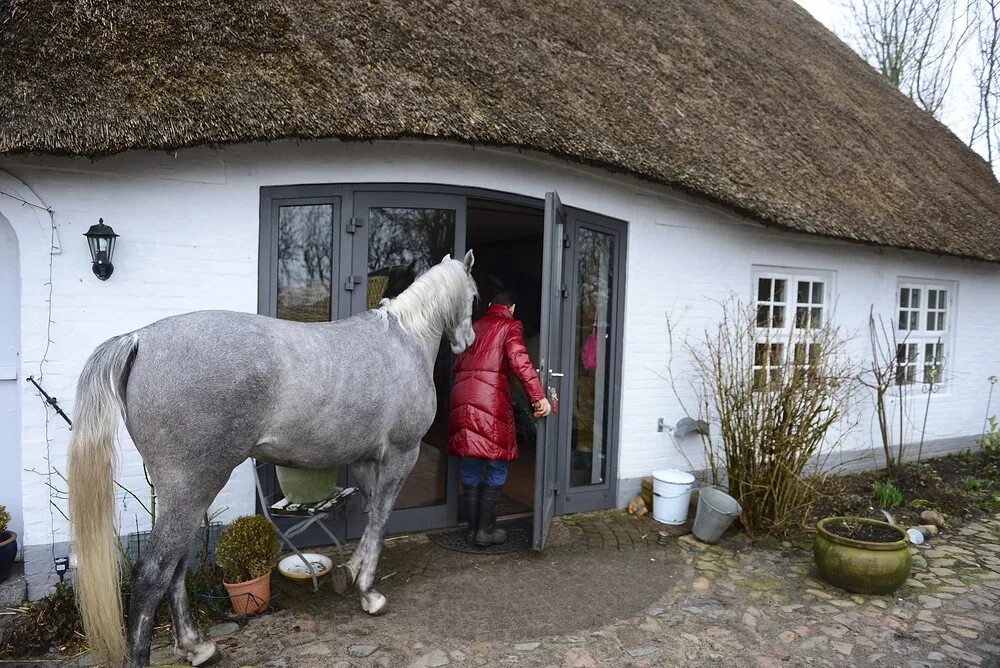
point(459, 328)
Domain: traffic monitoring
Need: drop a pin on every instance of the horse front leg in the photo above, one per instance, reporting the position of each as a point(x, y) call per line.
point(389, 474)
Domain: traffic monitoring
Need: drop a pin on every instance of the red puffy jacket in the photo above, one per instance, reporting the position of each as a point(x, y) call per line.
point(481, 422)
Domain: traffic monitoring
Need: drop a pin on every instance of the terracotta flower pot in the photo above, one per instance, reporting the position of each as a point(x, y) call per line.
point(861, 566)
point(8, 552)
point(252, 596)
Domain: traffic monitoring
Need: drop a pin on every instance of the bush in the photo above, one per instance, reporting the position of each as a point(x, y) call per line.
point(247, 549)
point(990, 440)
point(886, 494)
point(4, 518)
point(49, 623)
point(972, 484)
point(775, 398)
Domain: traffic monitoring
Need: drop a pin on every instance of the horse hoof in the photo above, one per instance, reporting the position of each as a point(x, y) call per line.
point(373, 603)
point(203, 654)
point(342, 579)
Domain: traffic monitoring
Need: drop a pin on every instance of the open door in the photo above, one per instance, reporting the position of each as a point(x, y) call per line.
point(549, 366)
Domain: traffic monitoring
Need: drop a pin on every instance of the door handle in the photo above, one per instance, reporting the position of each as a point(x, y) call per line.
point(556, 374)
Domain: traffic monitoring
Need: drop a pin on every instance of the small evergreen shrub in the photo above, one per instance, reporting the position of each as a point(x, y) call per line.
point(247, 549)
point(886, 494)
point(4, 519)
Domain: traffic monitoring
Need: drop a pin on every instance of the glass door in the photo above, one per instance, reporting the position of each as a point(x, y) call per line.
point(554, 292)
point(592, 363)
point(396, 237)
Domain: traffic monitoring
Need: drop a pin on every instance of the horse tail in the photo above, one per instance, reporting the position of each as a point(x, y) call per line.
point(100, 399)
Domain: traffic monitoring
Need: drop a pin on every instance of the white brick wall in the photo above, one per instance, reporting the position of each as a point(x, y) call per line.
point(189, 226)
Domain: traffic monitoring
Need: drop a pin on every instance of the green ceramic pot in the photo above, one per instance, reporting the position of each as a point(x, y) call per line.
point(861, 566)
point(306, 485)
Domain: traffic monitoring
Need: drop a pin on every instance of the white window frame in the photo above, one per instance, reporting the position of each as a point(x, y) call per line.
point(923, 344)
point(785, 336)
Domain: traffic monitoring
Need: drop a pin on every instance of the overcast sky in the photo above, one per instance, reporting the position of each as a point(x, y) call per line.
point(959, 110)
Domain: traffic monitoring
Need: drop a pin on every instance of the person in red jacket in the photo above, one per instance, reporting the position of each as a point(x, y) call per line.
point(481, 421)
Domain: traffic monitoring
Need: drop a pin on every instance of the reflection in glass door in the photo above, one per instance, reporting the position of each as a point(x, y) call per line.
point(591, 336)
point(403, 235)
point(402, 244)
point(305, 262)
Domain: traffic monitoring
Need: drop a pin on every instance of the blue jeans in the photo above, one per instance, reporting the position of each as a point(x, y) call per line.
point(472, 471)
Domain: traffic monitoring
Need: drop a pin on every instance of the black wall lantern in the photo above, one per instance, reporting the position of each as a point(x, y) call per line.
point(102, 247)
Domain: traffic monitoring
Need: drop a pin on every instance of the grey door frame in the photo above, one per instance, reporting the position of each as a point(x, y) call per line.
point(342, 197)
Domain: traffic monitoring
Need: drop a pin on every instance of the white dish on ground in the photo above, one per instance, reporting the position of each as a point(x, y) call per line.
point(293, 568)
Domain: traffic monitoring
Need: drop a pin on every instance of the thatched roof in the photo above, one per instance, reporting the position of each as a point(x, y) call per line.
point(751, 103)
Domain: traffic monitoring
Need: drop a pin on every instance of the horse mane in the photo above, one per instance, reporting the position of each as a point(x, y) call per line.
point(435, 301)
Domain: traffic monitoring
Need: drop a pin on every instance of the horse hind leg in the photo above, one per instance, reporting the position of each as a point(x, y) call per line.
point(178, 517)
point(188, 644)
point(389, 476)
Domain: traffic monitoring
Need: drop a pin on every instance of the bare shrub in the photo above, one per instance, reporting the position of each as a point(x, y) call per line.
point(780, 401)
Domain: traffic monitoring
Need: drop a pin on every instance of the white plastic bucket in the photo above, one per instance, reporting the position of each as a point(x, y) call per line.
point(671, 495)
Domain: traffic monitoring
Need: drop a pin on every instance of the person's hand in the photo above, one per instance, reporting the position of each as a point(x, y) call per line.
point(542, 408)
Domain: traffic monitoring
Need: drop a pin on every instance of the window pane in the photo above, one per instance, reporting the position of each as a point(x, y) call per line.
point(763, 315)
point(776, 354)
point(901, 356)
point(940, 322)
point(817, 317)
point(802, 317)
point(914, 298)
point(803, 292)
point(932, 299)
point(779, 290)
point(904, 297)
point(402, 244)
point(305, 262)
point(817, 296)
point(800, 353)
point(778, 317)
point(764, 289)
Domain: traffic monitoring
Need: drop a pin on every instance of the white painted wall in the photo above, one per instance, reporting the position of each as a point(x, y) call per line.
point(10, 405)
point(189, 224)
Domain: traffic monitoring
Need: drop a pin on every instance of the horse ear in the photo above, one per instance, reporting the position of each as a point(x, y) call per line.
point(446, 258)
point(470, 260)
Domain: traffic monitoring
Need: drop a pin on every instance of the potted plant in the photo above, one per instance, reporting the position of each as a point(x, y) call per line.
point(8, 545)
point(862, 555)
point(247, 551)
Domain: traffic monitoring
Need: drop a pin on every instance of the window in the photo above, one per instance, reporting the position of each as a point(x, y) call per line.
point(924, 331)
point(789, 304)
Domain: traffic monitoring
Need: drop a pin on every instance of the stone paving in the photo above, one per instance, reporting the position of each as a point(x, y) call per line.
point(606, 594)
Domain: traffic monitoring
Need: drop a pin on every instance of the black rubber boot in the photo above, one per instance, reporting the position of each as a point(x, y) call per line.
point(470, 497)
point(488, 533)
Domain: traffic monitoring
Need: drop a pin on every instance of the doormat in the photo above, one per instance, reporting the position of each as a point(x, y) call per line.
point(519, 537)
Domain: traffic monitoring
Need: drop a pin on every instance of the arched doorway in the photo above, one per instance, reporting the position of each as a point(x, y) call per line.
point(10, 348)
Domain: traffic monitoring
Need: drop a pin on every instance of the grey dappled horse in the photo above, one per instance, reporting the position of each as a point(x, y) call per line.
point(204, 391)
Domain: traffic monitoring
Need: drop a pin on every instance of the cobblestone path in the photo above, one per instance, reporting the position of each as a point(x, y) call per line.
point(605, 594)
